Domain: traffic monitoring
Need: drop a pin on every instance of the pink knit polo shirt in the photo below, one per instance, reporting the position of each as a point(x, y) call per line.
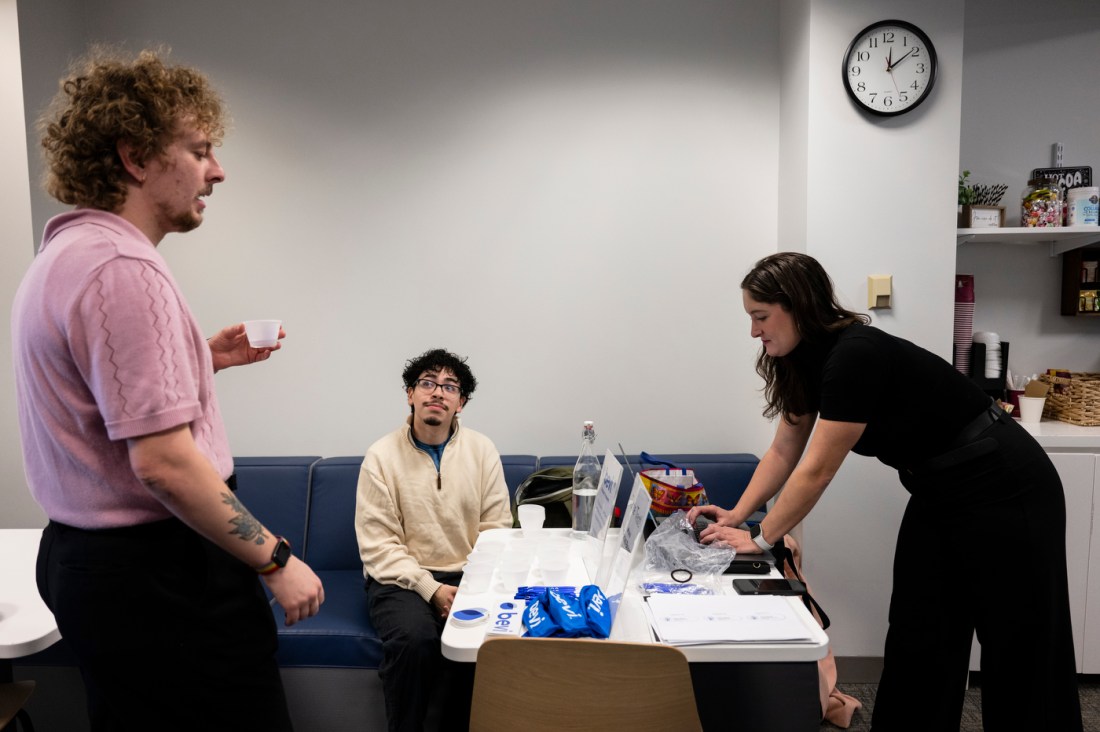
point(105, 349)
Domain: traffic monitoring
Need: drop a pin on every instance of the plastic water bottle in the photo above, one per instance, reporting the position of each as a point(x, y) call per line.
point(586, 481)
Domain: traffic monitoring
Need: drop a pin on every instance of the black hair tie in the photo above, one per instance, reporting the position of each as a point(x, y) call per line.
point(679, 575)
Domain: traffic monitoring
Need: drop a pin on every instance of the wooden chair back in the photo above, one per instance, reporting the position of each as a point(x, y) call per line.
point(581, 684)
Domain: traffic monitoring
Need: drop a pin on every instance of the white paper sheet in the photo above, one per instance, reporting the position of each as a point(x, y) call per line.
point(698, 619)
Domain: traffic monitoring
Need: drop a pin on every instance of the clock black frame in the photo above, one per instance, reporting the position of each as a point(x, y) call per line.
point(932, 56)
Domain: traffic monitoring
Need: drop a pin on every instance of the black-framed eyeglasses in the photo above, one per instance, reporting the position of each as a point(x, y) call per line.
point(428, 386)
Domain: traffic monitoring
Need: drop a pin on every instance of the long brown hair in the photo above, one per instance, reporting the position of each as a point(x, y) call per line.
point(798, 284)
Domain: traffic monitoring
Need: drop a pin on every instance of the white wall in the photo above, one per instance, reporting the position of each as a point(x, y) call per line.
point(568, 193)
point(15, 254)
point(1028, 83)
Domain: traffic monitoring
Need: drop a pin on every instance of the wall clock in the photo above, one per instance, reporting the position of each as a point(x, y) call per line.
point(889, 68)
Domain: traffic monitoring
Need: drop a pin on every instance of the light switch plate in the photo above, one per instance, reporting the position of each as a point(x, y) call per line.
point(879, 290)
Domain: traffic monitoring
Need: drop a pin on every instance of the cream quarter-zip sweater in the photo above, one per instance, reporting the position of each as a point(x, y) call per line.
point(411, 520)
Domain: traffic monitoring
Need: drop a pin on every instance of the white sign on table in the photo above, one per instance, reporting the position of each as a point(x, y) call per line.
point(614, 569)
point(602, 508)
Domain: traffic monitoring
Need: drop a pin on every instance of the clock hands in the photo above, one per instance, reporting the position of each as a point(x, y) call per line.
point(890, 68)
point(890, 65)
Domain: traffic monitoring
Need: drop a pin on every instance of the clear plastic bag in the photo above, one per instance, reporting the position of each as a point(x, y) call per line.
point(672, 546)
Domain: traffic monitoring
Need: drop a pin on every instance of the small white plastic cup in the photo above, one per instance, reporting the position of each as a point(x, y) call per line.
point(476, 577)
point(557, 546)
point(1031, 409)
point(481, 558)
point(262, 333)
point(531, 518)
point(513, 570)
point(491, 552)
point(554, 568)
point(990, 339)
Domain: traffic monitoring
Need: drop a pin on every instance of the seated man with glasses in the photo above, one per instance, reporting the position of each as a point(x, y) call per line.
point(426, 491)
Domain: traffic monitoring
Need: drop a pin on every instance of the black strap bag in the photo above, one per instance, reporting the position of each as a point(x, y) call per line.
point(552, 488)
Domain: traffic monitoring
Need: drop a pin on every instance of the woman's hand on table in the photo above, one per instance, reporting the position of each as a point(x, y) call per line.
point(719, 515)
point(739, 539)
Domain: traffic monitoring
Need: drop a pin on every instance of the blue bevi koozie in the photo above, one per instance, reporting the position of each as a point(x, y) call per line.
point(597, 611)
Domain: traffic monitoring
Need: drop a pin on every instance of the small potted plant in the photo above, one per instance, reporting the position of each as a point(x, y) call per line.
point(966, 192)
point(966, 195)
point(979, 204)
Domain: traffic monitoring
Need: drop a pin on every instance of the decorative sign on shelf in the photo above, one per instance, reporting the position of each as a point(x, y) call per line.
point(981, 217)
point(1073, 177)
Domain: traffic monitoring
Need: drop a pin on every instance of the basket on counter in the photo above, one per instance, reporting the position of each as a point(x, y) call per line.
point(1074, 399)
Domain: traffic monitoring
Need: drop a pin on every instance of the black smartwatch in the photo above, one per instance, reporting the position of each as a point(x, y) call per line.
point(280, 555)
point(754, 532)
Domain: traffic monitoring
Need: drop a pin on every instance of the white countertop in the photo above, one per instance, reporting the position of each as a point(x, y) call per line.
point(1055, 435)
point(26, 624)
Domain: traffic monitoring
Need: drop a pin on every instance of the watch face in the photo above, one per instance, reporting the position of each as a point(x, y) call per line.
point(281, 554)
point(890, 67)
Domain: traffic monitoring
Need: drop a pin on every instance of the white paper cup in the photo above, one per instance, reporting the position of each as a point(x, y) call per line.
point(476, 577)
point(531, 518)
point(1031, 408)
point(262, 333)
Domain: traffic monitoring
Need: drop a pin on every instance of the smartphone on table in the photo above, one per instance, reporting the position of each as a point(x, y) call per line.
point(769, 586)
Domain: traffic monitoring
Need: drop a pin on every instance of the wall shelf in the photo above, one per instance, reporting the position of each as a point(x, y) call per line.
point(1061, 239)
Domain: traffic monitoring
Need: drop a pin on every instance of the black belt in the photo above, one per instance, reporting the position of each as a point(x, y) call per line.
point(967, 445)
point(974, 429)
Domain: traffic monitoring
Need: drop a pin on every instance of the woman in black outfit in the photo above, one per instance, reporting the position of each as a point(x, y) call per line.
point(978, 484)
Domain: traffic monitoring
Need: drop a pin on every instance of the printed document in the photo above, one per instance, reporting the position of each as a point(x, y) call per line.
point(698, 619)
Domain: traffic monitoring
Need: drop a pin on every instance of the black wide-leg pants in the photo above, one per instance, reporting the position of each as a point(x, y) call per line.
point(170, 631)
point(982, 547)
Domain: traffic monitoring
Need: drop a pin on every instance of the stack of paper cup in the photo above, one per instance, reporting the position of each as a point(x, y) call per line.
point(964, 320)
point(992, 343)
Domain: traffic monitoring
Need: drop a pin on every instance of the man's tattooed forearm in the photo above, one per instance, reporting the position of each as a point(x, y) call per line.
point(244, 524)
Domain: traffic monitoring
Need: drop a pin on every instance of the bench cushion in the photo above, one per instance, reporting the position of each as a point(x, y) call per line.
point(276, 491)
point(340, 636)
point(331, 542)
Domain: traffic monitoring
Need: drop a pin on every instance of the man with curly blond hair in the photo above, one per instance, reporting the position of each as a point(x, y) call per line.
point(150, 563)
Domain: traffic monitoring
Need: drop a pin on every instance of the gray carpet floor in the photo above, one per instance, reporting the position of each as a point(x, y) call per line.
point(972, 707)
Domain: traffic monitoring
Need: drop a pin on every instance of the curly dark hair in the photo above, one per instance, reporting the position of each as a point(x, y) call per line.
point(108, 97)
point(438, 359)
point(798, 284)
